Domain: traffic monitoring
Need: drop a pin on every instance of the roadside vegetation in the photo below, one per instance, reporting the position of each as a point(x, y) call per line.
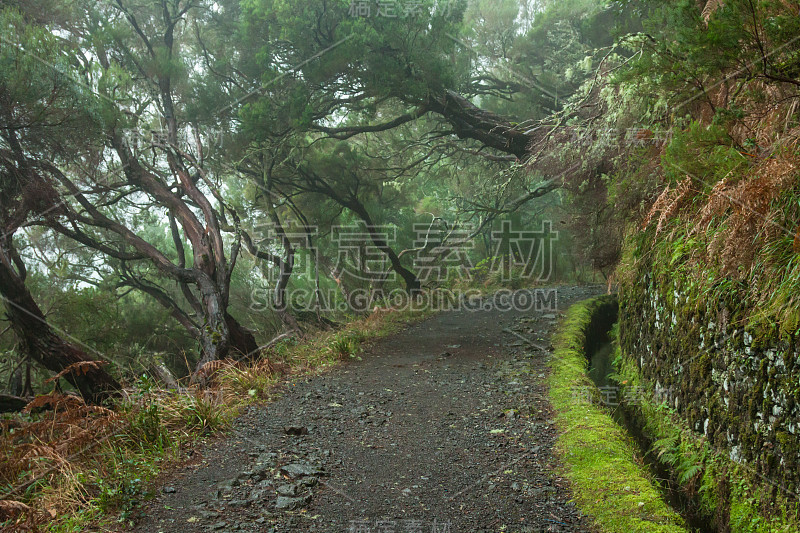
point(73, 463)
point(610, 477)
point(728, 494)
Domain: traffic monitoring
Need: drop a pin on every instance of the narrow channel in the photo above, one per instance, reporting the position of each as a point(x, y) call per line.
point(599, 351)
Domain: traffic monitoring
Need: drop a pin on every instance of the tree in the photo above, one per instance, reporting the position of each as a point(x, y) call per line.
point(332, 170)
point(39, 106)
point(146, 51)
point(156, 171)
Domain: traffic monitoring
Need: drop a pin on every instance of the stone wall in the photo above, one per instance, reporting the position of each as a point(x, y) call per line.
point(739, 388)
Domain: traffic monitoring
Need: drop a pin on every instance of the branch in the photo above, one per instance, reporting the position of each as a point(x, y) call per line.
point(129, 279)
point(99, 219)
point(349, 131)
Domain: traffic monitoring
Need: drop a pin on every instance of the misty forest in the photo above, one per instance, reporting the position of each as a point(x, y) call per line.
point(400, 266)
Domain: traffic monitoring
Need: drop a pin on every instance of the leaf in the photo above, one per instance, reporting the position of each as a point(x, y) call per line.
point(10, 509)
point(81, 367)
point(690, 473)
point(54, 400)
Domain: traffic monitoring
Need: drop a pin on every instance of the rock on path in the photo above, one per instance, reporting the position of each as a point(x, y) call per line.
point(443, 427)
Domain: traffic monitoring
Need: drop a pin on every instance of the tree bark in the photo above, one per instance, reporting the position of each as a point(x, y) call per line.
point(467, 120)
point(163, 374)
point(10, 404)
point(242, 339)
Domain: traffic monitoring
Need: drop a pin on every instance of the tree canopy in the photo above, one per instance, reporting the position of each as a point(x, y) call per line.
point(188, 157)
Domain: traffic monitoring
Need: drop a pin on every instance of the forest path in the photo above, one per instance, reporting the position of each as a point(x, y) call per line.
point(443, 427)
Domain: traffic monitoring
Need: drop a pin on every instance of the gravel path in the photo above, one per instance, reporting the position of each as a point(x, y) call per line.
point(443, 427)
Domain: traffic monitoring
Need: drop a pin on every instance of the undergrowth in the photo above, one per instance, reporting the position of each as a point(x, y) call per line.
point(724, 228)
point(65, 464)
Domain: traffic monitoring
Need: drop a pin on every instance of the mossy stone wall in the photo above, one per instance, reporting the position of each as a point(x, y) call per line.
point(739, 388)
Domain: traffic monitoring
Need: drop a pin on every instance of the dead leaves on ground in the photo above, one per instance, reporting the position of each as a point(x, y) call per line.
point(17, 516)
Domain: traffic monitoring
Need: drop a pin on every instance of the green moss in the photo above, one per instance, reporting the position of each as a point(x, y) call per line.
point(610, 484)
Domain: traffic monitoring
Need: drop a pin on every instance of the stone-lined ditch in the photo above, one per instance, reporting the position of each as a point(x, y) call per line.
point(599, 350)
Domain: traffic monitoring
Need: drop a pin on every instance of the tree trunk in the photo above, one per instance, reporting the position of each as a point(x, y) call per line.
point(242, 339)
point(471, 122)
point(412, 282)
point(163, 374)
point(214, 333)
point(38, 338)
point(15, 386)
point(11, 404)
point(221, 333)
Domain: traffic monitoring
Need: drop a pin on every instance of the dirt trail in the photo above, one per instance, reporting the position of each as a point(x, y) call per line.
point(443, 427)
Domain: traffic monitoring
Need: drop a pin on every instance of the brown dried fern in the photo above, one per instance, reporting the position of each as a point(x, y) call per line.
point(79, 368)
point(55, 401)
point(668, 203)
point(208, 370)
point(747, 206)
